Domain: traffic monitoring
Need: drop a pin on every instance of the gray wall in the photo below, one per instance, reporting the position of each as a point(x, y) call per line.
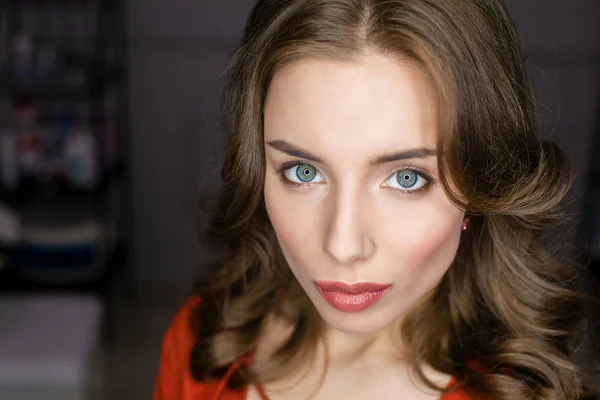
point(178, 51)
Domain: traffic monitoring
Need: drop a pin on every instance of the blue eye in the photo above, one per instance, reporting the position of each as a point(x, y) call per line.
point(406, 180)
point(303, 173)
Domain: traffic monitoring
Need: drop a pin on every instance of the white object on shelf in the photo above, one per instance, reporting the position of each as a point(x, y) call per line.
point(81, 157)
point(50, 347)
point(10, 225)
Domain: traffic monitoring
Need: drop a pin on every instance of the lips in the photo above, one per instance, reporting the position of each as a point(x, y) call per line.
point(351, 289)
point(352, 298)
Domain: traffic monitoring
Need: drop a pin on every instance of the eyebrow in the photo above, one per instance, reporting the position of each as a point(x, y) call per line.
point(289, 149)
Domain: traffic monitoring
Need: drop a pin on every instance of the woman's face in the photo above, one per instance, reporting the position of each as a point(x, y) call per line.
point(352, 187)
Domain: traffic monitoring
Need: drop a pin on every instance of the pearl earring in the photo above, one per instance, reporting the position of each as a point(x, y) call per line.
point(465, 224)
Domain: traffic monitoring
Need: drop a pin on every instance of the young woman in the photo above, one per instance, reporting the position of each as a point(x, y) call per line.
point(382, 213)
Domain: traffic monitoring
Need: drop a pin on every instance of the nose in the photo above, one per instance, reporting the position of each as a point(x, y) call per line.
point(346, 239)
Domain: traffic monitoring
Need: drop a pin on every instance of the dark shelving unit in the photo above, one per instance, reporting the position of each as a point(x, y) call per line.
point(100, 72)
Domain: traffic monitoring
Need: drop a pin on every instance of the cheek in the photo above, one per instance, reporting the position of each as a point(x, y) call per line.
point(427, 237)
point(294, 219)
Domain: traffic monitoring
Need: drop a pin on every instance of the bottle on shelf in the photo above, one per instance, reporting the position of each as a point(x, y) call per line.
point(29, 141)
point(81, 153)
point(107, 131)
point(24, 43)
point(23, 55)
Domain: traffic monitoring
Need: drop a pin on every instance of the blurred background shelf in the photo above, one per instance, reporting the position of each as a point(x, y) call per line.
point(65, 178)
point(64, 146)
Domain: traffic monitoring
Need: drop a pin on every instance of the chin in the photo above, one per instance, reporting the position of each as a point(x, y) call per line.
point(366, 322)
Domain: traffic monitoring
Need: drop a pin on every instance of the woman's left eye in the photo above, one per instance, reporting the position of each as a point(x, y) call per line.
point(407, 180)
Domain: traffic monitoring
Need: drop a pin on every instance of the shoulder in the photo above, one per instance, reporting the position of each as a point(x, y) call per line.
point(460, 391)
point(181, 329)
point(180, 335)
point(173, 371)
point(457, 395)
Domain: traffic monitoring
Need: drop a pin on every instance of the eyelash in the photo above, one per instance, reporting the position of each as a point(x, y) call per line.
point(286, 166)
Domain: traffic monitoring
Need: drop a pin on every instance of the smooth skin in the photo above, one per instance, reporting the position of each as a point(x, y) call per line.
point(352, 191)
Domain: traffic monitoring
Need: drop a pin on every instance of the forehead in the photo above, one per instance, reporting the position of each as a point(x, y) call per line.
point(373, 105)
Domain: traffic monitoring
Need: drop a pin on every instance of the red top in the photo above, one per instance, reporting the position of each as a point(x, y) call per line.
point(175, 382)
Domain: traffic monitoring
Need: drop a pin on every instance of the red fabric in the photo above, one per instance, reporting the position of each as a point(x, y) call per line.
point(174, 380)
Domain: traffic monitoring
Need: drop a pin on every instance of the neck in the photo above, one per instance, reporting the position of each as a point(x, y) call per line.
point(349, 348)
point(376, 351)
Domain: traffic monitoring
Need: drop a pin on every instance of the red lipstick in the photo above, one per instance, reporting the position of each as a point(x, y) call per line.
point(351, 298)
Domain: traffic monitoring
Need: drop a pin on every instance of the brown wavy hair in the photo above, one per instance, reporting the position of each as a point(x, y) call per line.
point(506, 301)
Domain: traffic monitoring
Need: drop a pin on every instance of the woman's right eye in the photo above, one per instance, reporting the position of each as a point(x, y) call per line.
point(302, 174)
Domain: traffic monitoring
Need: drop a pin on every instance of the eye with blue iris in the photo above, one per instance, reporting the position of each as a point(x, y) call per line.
point(407, 180)
point(303, 174)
